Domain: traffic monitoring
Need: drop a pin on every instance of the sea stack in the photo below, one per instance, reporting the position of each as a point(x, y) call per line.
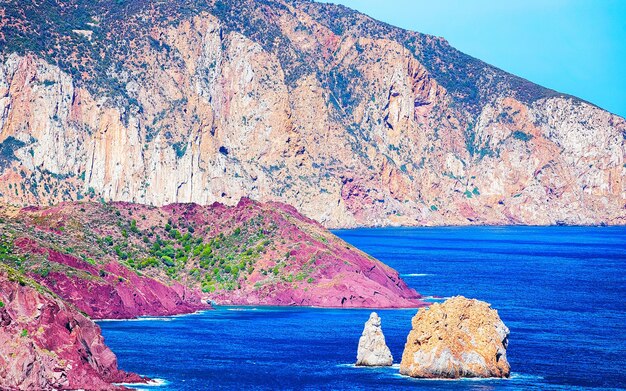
point(458, 338)
point(373, 351)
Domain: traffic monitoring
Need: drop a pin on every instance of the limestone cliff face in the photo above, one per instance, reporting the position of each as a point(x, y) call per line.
point(458, 338)
point(352, 121)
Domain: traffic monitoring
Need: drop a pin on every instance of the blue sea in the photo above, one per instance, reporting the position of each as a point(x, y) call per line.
point(560, 290)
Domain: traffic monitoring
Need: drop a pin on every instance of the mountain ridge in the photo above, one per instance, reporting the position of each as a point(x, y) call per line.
point(352, 121)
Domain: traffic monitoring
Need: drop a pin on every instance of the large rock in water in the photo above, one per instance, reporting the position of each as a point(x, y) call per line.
point(459, 338)
point(373, 351)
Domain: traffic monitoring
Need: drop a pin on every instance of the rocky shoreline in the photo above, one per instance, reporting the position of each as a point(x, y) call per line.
point(48, 344)
point(122, 261)
point(455, 339)
point(65, 265)
point(373, 351)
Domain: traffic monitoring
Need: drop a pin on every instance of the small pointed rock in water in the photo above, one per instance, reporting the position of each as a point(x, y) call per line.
point(459, 338)
point(373, 351)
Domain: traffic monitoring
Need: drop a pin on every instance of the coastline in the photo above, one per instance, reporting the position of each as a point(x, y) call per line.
point(472, 224)
point(152, 317)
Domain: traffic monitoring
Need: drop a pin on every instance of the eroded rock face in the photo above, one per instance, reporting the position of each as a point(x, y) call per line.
point(47, 344)
point(458, 338)
point(111, 291)
point(373, 351)
point(351, 121)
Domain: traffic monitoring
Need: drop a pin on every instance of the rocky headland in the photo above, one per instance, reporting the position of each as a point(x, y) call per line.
point(458, 338)
point(124, 260)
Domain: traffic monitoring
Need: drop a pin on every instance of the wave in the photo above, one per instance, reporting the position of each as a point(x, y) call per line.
point(140, 319)
point(415, 275)
point(140, 386)
point(436, 298)
point(523, 376)
point(396, 367)
point(164, 318)
point(189, 314)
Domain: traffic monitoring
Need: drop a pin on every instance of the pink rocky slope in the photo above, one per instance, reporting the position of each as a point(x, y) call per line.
point(304, 264)
point(122, 260)
point(112, 291)
point(47, 344)
point(344, 276)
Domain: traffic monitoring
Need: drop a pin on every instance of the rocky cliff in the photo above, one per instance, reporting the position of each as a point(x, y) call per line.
point(123, 260)
point(458, 338)
point(352, 121)
point(46, 344)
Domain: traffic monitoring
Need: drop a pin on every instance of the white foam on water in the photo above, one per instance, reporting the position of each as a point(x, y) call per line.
point(396, 367)
point(164, 318)
point(436, 298)
point(513, 376)
point(393, 366)
point(415, 275)
point(191, 313)
point(140, 319)
point(347, 365)
point(150, 383)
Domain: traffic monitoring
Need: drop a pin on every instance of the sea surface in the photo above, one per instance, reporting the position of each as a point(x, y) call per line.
point(560, 290)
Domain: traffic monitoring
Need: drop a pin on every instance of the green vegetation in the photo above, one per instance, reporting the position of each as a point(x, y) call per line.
point(7, 252)
point(519, 135)
point(7, 149)
point(43, 271)
point(182, 249)
point(476, 147)
point(180, 149)
point(217, 263)
point(341, 86)
point(24, 333)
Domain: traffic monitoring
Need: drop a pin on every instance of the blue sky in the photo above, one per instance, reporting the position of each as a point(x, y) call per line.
point(573, 46)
